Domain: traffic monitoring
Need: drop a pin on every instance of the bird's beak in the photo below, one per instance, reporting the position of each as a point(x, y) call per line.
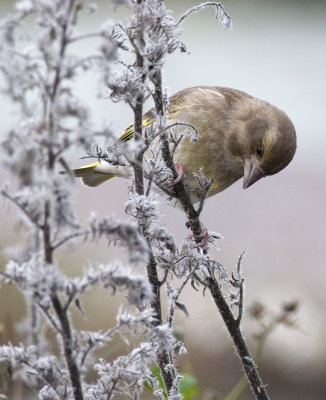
point(252, 172)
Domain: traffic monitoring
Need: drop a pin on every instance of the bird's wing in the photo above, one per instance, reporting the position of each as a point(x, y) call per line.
point(183, 99)
point(97, 173)
point(150, 117)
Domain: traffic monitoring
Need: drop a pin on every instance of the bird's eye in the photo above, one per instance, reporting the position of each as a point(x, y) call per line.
point(259, 151)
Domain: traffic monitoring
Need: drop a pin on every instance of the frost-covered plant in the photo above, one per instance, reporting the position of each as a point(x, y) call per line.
point(40, 69)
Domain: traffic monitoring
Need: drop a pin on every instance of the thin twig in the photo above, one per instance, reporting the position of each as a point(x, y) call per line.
point(21, 207)
point(177, 294)
point(85, 60)
point(221, 15)
point(84, 36)
point(241, 281)
point(44, 377)
point(50, 318)
point(68, 238)
point(150, 177)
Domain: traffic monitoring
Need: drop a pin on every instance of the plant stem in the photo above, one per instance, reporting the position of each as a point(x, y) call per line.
point(233, 327)
point(231, 323)
point(165, 358)
point(68, 348)
point(65, 325)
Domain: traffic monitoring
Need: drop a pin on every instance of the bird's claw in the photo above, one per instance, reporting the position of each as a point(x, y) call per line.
point(205, 238)
point(181, 173)
point(203, 244)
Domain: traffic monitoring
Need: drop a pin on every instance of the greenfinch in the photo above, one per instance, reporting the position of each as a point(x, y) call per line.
point(238, 136)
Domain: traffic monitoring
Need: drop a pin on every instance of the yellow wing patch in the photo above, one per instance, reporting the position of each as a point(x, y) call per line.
point(129, 132)
point(148, 120)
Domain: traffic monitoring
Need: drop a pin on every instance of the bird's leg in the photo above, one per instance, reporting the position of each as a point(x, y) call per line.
point(181, 173)
point(204, 236)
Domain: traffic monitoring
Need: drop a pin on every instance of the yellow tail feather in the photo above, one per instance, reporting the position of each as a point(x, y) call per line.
point(90, 177)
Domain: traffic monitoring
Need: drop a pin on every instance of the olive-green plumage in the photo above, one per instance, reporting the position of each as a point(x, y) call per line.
point(239, 135)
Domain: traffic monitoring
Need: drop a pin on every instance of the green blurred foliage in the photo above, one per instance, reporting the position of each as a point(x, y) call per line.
point(188, 385)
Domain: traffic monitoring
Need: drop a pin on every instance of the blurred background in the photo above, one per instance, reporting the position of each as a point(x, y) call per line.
point(276, 51)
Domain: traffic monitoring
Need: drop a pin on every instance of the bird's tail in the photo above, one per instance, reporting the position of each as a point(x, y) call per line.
point(100, 172)
point(89, 176)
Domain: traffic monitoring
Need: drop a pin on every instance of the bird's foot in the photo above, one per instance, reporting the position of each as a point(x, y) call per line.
point(181, 173)
point(205, 238)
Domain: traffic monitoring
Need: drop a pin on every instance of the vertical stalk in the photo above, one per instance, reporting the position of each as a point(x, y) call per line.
point(65, 325)
point(193, 217)
point(68, 347)
point(138, 165)
point(61, 312)
point(164, 358)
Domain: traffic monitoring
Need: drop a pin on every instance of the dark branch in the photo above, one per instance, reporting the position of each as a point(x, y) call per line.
point(182, 194)
point(232, 325)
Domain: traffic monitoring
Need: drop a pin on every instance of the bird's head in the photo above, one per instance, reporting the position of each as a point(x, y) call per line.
point(263, 140)
point(271, 144)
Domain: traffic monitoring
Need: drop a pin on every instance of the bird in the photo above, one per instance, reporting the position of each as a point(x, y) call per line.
point(239, 136)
